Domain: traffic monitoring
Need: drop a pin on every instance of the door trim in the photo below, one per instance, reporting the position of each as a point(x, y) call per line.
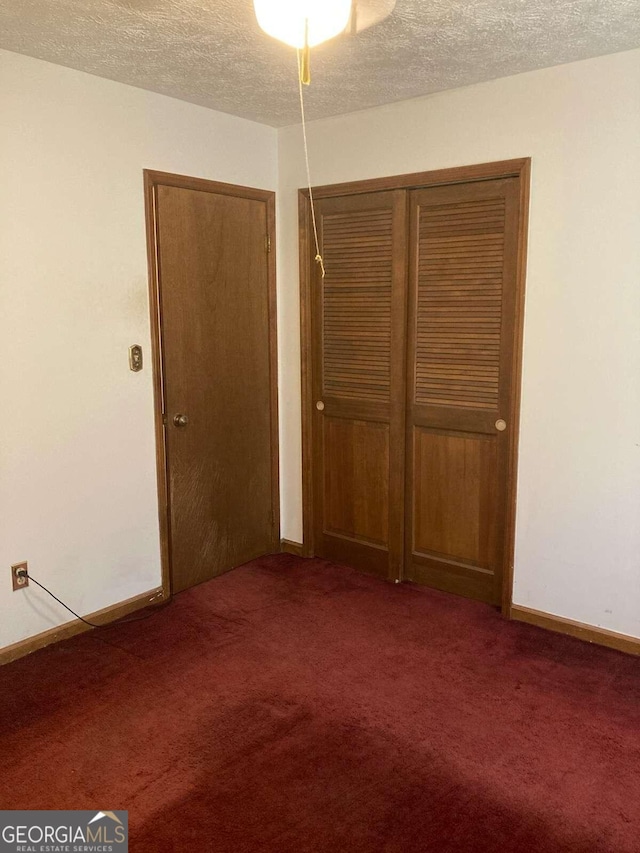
point(520, 169)
point(152, 180)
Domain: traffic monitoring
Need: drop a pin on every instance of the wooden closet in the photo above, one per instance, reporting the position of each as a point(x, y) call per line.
point(411, 375)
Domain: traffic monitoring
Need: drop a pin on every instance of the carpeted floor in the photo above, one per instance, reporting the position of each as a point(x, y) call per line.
point(295, 706)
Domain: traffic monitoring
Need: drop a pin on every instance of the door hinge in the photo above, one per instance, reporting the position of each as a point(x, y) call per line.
point(268, 243)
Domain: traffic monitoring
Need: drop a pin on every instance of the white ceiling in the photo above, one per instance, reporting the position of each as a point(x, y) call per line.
point(211, 52)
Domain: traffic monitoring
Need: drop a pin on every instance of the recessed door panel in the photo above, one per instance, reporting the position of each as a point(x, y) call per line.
point(454, 501)
point(356, 485)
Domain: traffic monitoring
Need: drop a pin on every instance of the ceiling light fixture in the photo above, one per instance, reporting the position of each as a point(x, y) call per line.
point(299, 23)
point(304, 24)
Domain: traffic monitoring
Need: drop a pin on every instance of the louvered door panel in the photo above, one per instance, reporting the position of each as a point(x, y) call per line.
point(358, 381)
point(462, 314)
point(459, 314)
point(358, 256)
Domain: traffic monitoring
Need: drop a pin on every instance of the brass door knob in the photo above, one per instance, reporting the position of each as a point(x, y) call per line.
point(501, 425)
point(320, 406)
point(180, 420)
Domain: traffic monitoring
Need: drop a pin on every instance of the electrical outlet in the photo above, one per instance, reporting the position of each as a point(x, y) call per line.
point(19, 582)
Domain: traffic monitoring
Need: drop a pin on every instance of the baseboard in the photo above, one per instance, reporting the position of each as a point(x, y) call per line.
point(288, 547)
point(589, 633)
point(70, 629)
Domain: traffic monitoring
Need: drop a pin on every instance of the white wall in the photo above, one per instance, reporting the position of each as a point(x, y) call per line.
point(77, 483)
point(578, 531)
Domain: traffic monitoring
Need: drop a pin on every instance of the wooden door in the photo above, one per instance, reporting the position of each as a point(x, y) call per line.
point(218, 379)
point(462, 340)
point(358, 320)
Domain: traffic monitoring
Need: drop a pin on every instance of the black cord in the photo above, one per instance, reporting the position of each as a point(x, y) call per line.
point(86, 621)
point(77, 615)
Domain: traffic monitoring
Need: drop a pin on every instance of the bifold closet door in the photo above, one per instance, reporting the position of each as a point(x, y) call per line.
point(462, 310)
point(358, 381)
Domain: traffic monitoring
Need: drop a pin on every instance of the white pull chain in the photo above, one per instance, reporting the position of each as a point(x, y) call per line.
point(319, 259)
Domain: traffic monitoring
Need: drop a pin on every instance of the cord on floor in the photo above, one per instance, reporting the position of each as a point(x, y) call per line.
point(26, 574)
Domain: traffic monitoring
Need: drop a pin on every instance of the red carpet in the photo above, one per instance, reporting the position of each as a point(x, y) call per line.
point(294, 706)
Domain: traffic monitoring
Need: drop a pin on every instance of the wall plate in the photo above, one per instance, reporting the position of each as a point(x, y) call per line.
point(135, 358)
point(19, 583)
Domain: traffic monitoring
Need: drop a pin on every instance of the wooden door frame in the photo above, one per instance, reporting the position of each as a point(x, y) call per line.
point(152, 180)
point(520, 169)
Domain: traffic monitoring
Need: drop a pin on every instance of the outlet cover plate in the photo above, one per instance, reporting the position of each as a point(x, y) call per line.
point(19, 583)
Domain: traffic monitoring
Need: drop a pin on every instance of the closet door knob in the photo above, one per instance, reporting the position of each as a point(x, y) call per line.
point(180, 420)
point(501, 425)
point(320, 406)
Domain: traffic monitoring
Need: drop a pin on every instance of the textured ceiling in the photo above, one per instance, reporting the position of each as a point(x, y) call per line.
point(211, 52)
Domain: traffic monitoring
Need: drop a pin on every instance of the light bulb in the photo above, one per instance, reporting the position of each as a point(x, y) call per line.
point(288, 20)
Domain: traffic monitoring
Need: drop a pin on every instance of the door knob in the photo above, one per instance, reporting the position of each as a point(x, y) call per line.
point(180, 420)
point(501, 425)
point(320, 406)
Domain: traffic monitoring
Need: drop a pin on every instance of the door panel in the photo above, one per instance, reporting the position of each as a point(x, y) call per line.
point(461, 340)
point(215, 321)
point(358, 319)
point(453, 496)
point(356, 487)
